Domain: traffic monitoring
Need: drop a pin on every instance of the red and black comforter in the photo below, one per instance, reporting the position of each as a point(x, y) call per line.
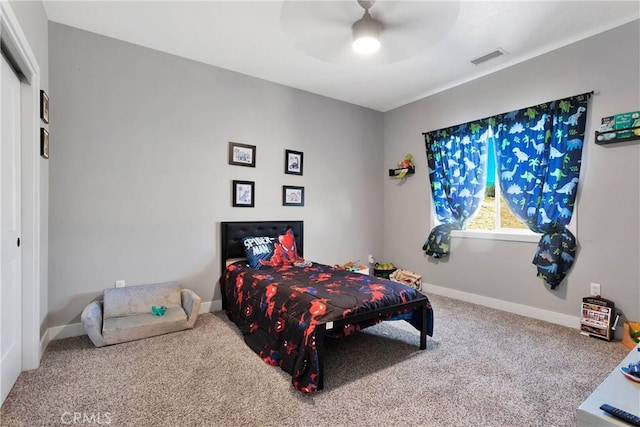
point(278, 310)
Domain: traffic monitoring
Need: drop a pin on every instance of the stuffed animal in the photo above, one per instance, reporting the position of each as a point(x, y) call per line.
point(406, 162)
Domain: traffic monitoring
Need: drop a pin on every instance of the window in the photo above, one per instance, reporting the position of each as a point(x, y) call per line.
point(538, 154)
point(486, 224)
point(494, 213)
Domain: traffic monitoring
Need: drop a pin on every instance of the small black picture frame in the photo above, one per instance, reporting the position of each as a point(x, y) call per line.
point(292, 195)
point(243, 194)
point(293, 162)
point(242, 154)
point(44, 143)
point(44, 106)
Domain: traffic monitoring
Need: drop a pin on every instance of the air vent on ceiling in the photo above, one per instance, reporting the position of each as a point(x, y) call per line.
point(484, 58)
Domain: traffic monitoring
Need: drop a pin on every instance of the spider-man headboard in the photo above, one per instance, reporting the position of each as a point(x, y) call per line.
point(231, 234)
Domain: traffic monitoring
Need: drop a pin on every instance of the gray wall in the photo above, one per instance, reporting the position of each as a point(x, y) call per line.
point(140, 181)
point(608, 198)
point(33, 22)
point(139, 173)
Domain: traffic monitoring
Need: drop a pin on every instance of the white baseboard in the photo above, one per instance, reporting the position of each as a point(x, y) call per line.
point(511, 307)
point(211, 306)
point(77, 329)
point(65, 331)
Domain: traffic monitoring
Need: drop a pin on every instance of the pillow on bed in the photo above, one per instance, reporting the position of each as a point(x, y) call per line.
point(289, 250)
point(271, 251)
point(259, 250)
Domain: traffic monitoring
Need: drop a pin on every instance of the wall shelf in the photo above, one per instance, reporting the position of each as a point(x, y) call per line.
point(609, 136)
point(395, 173)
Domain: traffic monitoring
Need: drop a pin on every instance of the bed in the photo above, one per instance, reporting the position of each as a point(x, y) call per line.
point(285, 312)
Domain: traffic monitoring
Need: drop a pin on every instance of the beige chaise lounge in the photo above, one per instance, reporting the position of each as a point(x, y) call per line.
point(125, 313)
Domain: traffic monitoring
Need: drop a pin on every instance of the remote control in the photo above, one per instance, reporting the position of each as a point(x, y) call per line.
point(623, 415)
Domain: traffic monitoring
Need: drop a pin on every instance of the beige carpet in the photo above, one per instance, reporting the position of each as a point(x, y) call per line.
point(482, 368)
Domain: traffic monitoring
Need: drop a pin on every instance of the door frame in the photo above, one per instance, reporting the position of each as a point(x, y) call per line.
point(19, 50)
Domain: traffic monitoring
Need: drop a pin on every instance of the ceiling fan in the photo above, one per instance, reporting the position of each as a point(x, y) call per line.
point(366, 31)
point(328, 30)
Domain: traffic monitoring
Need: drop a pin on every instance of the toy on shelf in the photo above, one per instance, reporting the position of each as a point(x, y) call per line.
point(405, 167)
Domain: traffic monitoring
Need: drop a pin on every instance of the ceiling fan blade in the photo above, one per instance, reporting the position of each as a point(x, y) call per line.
point(322, 29)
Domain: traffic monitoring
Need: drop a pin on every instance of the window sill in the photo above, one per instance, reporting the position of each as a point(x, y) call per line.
point(510, 235)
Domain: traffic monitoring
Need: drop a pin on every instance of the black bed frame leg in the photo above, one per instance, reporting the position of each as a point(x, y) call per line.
point(423, 329)
point(320, 333)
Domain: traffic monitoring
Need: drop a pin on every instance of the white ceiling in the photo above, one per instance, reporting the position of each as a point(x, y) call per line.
point(427, 45)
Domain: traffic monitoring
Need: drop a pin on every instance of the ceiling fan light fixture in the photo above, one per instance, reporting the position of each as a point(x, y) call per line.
point(366, 34)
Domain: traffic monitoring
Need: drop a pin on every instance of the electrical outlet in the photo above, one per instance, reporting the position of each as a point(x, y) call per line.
point(595, 289)
point(120, 284)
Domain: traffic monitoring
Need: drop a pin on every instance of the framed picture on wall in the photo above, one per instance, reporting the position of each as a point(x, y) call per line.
point(44, 143)
point(243, 194)
point(44, 106)
point(242, 154)
point(293, 162)
point(292, 196)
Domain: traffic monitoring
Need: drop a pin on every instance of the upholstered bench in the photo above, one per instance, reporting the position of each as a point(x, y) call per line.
point(125, 313)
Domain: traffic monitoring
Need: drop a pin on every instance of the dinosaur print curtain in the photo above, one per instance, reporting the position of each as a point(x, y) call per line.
point(538, 154)
point(457, 158)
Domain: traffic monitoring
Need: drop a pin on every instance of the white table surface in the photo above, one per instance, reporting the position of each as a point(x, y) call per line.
point(616, 390)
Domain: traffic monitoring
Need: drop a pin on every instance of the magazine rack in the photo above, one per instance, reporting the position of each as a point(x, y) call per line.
point(610, 136)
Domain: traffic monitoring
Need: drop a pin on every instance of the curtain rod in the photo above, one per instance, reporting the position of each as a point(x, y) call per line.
point(589, 94)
